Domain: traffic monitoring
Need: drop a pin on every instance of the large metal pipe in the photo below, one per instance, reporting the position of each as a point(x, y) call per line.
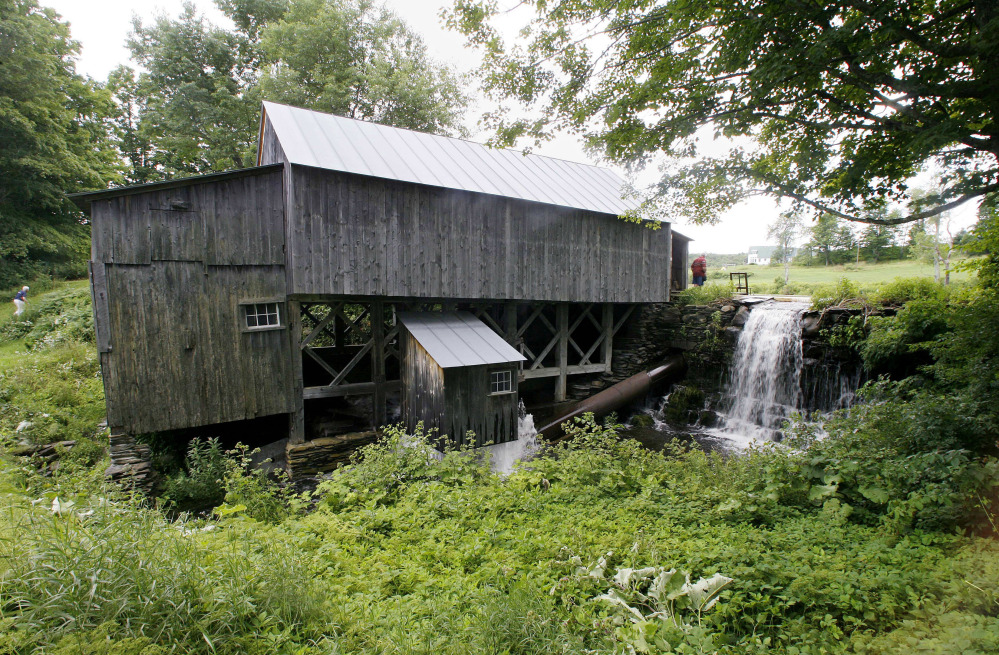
point(617, 396)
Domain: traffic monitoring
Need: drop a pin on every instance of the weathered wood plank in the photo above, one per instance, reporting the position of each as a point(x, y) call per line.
point(355, 389)
point(102, 317)
point(296, 417)
point(180, 358)
point(562, 325)
point(379, 237)
point(554, 371)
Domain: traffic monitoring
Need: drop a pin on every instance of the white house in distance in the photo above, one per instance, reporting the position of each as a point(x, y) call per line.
point(760, 255)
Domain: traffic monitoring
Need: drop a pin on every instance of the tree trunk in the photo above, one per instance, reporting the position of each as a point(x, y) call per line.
point(936, 254)
point(950, 251)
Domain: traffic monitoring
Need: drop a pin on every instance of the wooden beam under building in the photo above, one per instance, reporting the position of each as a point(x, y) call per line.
point(562, 328)
point(296, 419)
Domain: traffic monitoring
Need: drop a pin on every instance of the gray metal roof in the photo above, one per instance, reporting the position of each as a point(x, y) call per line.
point(458, 339)
point(311, 138)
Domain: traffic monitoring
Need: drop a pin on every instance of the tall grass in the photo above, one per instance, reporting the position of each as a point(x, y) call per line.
point(118, 564)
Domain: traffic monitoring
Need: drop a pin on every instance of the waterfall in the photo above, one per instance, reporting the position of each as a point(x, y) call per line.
point(764, 385)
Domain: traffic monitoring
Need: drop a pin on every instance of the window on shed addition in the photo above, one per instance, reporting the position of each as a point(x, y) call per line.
point(500, 382)
point(262, 315)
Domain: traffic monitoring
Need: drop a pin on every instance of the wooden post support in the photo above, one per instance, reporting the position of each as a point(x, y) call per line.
point(562, 326)
point(669, 269)
point(607, 346)
point(296, 419)
point(378, 362)
point(510, 323)
point(339, 334)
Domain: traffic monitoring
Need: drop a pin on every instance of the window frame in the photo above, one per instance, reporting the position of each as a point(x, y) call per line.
point(509, 379)
point(246, 306)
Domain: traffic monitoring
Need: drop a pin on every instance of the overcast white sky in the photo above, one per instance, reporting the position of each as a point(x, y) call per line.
point(102, 26)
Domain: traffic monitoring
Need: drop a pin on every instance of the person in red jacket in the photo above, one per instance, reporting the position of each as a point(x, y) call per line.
point(699, 269)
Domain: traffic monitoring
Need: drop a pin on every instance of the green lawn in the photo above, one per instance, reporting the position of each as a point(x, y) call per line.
point(863, 273)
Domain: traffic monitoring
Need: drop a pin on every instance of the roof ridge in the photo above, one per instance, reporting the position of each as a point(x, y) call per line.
point(443, 136)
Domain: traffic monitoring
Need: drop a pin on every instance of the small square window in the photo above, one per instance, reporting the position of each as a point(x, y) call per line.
point(500, 382)
point(262, 315)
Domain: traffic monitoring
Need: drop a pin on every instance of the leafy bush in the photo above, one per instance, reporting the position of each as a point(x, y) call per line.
point(655, 606)
point(251, 490)
point(382, 471)
point(901, 290)
point(829, 296)
point(201, 485)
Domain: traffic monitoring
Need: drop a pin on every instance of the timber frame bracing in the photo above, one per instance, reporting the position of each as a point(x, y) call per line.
point(351, 347)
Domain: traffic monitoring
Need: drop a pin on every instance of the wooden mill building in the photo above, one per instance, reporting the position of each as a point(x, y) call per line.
point(278, 289)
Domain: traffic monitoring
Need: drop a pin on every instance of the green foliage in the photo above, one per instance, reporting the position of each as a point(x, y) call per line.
point(832, 296)
point(359, 60)
point(411, 553)
point(904, 464)
point(201, 484)
point(803, 82)
point(382, 471)
point(901, 290)
point(195, 108)
point(851, 335)
point(656, 608)
point(114, 569)
point(52, 395)
point(54, 318)
point(833, 241)
point(250, 491)
point(893, 340)
point(703, 295)
point(52, 142)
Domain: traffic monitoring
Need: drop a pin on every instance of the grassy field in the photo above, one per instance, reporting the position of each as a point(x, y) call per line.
point(862, 274)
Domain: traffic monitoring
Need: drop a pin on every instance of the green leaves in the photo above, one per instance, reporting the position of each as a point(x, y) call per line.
point(357, 60)
point(833, 105)
point(196, 108)
point(52, 142)
point(655, 603)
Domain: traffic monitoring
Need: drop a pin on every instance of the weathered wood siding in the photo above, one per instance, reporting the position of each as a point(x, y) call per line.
point(468, 405)
point(170, 269)
point(179, 356)
point(356, 235)
point(236, 221)
point(422, 387)
point(270, 150)
point(679, 246)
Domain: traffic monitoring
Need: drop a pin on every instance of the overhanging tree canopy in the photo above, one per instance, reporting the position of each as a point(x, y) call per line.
point(843, 102)
point(52, 141)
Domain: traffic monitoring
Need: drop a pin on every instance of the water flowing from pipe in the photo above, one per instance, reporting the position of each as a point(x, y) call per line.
point(503, 456)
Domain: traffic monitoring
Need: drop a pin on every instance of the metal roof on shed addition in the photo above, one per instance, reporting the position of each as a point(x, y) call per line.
point(458, 339)
point(312, 138)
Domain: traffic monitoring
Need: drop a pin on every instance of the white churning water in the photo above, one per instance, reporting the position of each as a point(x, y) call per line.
point(504, 455)
point(764, 386)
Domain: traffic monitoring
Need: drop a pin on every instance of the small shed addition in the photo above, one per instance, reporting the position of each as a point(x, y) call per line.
point(458, 375)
